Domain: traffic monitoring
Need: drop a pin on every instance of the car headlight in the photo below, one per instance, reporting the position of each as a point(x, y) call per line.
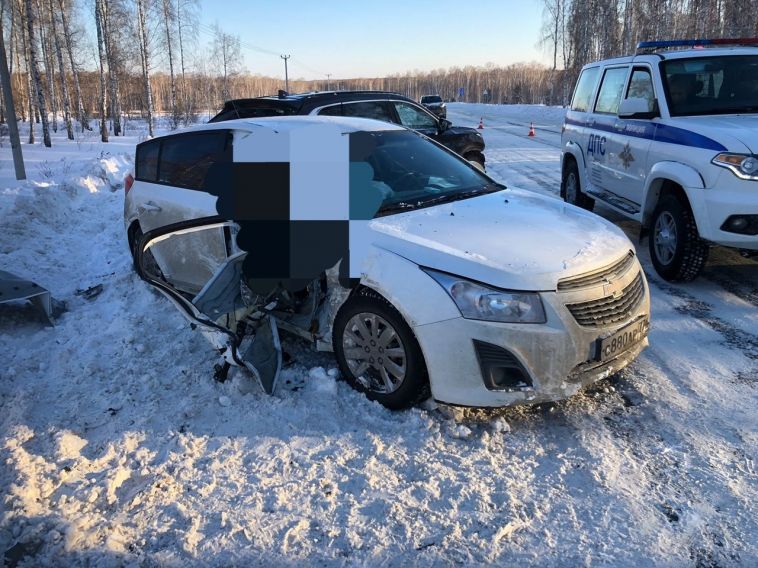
point(744, 166)
point(480, 302)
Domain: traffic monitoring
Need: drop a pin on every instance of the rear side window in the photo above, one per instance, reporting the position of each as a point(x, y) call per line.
point(185, 158)
point(611, 89)
point(369, 109)
point(146, 164)
point(585, 86)
point(335, 110)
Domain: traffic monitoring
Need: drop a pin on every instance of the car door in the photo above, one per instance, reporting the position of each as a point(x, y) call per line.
point(632, 139)
point(575, 132)
point(606, 140)
point(173, 192)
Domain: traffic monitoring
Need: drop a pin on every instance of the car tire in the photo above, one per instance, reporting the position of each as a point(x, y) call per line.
point(676, 249)
point(476, 161)
point(135, 236)
point(571, 189)
point(360, 345)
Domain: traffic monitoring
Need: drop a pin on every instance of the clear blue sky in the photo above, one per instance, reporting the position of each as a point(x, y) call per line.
point(381, 37)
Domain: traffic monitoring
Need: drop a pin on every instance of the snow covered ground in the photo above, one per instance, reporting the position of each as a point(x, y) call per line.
point(117, 447)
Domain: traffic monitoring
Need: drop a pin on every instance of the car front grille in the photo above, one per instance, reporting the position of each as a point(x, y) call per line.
point(596, 277)
point(610, 309)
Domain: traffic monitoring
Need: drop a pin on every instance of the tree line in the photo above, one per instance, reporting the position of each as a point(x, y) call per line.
point(577, 32)
point(92, 64)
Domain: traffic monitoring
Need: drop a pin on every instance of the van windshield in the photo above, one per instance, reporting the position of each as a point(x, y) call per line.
point(712, 85)
point(408, 172)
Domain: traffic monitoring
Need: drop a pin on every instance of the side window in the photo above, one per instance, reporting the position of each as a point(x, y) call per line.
point(412, 117)
point(611, 89)
point(146, 164)
point(641, 87)
point(185, 158)
point(370, 109)
point(585, 86)
point(334, 110)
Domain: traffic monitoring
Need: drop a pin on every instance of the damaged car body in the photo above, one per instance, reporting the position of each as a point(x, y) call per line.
point(423, 275)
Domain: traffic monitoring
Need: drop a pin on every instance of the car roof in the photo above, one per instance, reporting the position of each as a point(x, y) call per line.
point(286, 123)
point(300, 103)
point(655, 57)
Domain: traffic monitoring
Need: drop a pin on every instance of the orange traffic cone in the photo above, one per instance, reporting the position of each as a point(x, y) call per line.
point(481, 124)
point(531, 129)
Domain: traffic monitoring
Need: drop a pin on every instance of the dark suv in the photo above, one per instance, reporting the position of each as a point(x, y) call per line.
point(379, 105)
point(435, 104)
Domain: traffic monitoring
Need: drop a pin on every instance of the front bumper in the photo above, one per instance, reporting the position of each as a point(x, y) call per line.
point(713, 206)
point(559, 356)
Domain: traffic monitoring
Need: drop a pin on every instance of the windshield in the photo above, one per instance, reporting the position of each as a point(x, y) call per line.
point(712, 85)
point(409, 172)
point(430, 99)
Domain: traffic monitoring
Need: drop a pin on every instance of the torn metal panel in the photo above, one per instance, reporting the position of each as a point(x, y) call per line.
point(13, 287)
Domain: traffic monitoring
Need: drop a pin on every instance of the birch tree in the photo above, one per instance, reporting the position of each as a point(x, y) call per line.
point(61, 72)
point(67, 36)
point(145, 60)
point(35, 76)
point(168, 19)
point(101, 59)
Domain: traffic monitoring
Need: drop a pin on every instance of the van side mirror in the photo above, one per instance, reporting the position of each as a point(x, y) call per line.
point(638, 108)
point(444, 124)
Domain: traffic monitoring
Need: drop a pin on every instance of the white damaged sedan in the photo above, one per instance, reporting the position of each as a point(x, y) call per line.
point(453, 287)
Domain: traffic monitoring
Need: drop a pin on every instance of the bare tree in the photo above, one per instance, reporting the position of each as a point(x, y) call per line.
point(107, 30)
point(67, 35)
point(145, 59)
point(101, 57)
point(168, 19)
point(226, 52)
point(62, 73)
point(30, 18)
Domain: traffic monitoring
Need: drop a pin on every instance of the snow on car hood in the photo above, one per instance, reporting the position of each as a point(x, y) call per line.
point(510, 239)
point(729, 130)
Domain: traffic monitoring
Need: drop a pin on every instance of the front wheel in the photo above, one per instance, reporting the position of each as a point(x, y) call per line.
point(676, 249)
point(572, 189)
point(378, 354)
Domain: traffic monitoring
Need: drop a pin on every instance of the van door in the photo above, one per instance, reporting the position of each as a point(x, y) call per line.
point(171, 192)
point(605, 139)
point(631, 140)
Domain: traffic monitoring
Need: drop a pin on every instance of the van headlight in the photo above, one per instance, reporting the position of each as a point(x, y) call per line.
point(744, 166)
point(480, 302)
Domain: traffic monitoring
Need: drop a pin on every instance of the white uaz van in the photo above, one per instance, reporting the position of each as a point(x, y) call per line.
point(670, 139)
point(457, 287)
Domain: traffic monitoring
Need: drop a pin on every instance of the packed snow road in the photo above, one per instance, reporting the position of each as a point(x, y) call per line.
point(117, 447)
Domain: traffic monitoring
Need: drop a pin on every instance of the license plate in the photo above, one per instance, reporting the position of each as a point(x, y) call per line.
point(625, 338)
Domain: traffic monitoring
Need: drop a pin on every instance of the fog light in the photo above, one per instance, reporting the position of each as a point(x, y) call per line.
point(741, 224)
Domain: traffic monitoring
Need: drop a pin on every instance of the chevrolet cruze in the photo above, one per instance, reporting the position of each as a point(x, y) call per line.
point(452, 286)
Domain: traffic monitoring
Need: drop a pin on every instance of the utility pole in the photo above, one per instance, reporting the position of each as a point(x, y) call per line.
point(286, 78)
point(10, 111)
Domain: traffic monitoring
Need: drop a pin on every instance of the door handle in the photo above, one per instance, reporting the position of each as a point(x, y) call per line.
point(149, 206)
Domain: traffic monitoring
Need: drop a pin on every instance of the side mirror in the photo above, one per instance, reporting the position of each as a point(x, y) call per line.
point(444, 124)
point(638, 108)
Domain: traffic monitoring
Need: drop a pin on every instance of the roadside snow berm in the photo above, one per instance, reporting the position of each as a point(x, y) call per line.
point(481, 123)
point(531, 129)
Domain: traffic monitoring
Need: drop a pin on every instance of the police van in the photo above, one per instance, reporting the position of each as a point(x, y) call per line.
point(669, 137)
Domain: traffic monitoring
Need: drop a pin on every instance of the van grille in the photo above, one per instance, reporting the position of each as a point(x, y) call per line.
point(589, 279)
point(609, 310)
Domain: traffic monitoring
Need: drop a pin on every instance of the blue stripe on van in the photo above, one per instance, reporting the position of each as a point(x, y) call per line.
point(651, 131)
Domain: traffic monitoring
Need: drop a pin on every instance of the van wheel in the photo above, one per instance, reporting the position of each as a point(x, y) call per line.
point(476, 160)
point(572, 190)
point(676, 249)
point(378, 354)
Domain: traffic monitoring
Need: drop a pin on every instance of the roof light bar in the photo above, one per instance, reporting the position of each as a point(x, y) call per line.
point(653, 45)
